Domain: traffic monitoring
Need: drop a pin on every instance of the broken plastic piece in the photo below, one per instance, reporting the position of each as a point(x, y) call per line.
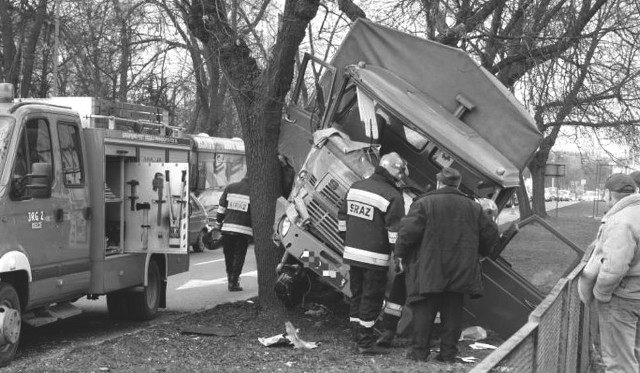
point(287, 339)
point(468, 359)
point(482, 346)
point(473, 333)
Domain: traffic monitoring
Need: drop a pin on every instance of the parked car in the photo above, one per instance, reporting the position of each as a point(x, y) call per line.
point(200, 223)
point(210, 199)
point(550, 194)
point(564, 195)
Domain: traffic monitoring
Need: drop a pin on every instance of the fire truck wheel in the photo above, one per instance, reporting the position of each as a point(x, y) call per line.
point(144, 305)
point(10, 323)
point(117, 305)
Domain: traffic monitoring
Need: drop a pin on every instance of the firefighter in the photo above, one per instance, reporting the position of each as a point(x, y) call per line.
point(370, 219)
point(233, 219)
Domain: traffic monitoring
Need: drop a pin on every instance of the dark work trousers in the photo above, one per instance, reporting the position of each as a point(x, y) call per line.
point(424, 313)
point(394, 303)
point(234, 249)
point(367, 294)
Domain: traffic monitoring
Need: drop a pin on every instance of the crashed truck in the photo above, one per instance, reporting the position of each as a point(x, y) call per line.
point(387, 91)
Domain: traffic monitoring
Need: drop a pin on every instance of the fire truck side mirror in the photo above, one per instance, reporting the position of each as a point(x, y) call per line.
point(40, 180)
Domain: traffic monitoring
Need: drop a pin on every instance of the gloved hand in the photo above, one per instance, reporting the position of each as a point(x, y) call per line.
point(398, 265)
point(217, 226)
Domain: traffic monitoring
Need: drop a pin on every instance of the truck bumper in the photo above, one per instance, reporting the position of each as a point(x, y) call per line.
point(317, 257)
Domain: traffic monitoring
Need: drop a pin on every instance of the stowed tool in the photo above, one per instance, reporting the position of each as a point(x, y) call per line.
point(145, 207)
point(133, 197)
point(174, 228)
point(158, 185)
point(182, 201)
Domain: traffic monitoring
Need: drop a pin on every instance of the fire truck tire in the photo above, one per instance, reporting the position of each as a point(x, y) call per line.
point(144, 305)
point(10, 327)
point(117, 305)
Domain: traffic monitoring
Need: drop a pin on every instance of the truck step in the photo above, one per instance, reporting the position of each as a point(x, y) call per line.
point(51, 314)
point(65, 310)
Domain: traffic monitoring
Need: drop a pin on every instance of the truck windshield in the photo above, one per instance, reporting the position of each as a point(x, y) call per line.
point(6, 128)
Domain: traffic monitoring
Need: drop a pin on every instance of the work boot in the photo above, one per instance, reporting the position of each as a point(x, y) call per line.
point(366, 343)
point(234, 285)
point(229, 282)
point(386, 338)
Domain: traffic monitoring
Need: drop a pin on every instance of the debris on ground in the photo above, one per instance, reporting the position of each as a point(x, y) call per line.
point(317, 310)
point(208, 330)
point(289, 338)
point(473, 333)
point(482, 346)
point(468, 359)
point(292, 334)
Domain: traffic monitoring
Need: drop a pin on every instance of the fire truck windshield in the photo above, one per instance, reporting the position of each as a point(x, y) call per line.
point(6, 128)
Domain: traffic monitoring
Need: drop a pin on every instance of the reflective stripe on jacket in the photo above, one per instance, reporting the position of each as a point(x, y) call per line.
point(234, 210)
point(371, 215)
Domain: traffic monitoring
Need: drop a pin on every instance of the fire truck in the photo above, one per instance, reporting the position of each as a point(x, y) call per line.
point(386, 91)
point(93, 202)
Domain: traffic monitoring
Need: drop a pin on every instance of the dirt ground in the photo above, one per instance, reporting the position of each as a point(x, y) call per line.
point(167, 348)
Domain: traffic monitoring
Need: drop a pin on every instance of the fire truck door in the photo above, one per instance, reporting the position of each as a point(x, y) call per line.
point(73, 212)
point(36, 228)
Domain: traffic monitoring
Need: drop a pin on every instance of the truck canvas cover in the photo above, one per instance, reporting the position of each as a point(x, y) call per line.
point(450, 133)
point(442, 73)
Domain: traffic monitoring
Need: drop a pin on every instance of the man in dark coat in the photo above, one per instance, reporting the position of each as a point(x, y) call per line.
point(441, 241)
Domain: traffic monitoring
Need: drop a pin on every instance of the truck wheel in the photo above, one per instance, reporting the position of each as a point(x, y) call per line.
point(144, 305)
point(10, 323)
point(117, 305)
point(198, 246)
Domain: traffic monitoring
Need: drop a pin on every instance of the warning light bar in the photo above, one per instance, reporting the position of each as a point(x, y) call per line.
point(6, 92)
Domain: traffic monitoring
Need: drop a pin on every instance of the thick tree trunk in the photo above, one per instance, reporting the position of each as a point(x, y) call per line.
point(258, 96)
point(537, 167)
point(10, 69)
point(523, 201)
point(29, 51)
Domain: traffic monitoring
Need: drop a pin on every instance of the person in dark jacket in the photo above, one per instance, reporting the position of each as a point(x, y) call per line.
point(233, 219)
point(441, 241)
point(370, 217)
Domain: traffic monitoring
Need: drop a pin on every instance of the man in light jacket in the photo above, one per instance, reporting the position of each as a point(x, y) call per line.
point(612, 276)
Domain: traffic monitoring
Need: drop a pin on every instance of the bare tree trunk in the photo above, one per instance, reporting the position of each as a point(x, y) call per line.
point(258, 96)
point(30, 49)
point(125, 51)
point(10, 69)
point(523, 201)
point(537, 168)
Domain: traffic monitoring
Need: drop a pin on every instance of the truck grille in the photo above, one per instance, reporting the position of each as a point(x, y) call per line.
point(325, 225)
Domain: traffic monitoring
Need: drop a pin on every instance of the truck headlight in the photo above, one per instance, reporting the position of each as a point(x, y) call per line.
point(285, 224)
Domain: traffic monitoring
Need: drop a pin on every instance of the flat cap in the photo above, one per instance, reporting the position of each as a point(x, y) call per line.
point(449, 176)
point(620, 183)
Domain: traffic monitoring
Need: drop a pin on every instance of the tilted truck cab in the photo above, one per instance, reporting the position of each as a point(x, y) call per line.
point(386, 91)
point(86, 211)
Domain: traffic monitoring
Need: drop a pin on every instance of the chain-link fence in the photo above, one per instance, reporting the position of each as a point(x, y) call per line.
point(557, 337)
